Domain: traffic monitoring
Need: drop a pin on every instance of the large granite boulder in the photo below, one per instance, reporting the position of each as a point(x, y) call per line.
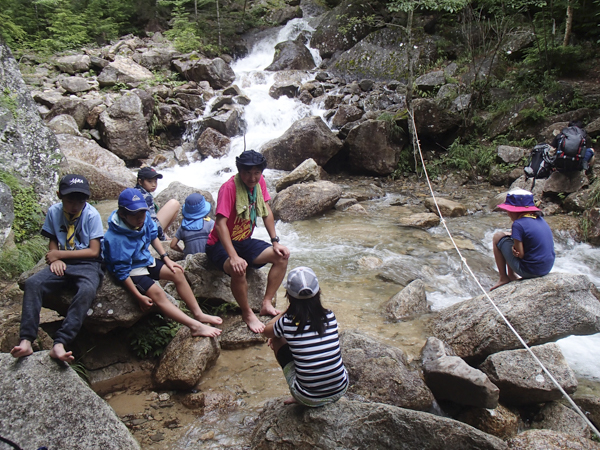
point(173, 116)
point(209, 283)
point(27, 146)
point(350, 424)
point(500, 421)
point(301, 201)
point(435, 123)
point(45, 403)
point(306, 138)
point(291, 55)
point(72, 64)
point(123, 128)
point(184, 360)
point(105, 171)
point(305, 172)
point(381, 373)
point(74, 85)
point(558, 417)
point(371, 148)
point(562, 304)
point(74, 107)
point(448, 208)
point(7, 212)
point(216, 71)
point(548, 439)
point(410, 301)
point(123, 70)
point(346, 114)
point(213, 144)
point(229, 122)
point(521, 379)
point(565, 183)
point(64, 124)
point(157, 58)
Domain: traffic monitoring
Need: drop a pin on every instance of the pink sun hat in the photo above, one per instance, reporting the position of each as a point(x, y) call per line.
point(518, 200)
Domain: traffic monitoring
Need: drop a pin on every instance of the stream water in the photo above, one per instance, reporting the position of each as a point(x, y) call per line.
point(333, 245)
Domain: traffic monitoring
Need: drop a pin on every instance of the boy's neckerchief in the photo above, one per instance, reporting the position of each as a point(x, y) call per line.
point(72, 221)
point(249, 205)
point(530, 215)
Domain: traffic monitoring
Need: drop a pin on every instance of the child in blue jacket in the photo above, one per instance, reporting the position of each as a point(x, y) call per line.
point(195, 227)
point(127, 256)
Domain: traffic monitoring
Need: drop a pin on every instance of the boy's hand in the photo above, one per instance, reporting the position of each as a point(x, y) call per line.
point(145, 302)
point(281, 250)
point(52, 256)
point(238, 265)
point(516, 253)
point(171, 265)
point(58, 267)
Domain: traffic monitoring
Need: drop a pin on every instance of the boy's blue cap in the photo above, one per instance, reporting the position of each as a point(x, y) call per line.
point(251, 158)
point(195, 207)
point(132, 200)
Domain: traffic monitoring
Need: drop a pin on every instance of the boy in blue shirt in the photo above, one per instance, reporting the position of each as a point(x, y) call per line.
point(195, 226)
point(127, 256)
point(528, 251)
point(74, 228)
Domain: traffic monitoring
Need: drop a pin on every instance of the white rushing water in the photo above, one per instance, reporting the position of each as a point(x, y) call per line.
point(334, 258)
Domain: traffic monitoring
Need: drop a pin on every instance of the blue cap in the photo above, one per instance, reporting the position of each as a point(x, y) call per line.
point(132, 200)
point(195, 207)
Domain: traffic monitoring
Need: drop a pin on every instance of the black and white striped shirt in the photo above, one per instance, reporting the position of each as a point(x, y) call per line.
point(320, 371)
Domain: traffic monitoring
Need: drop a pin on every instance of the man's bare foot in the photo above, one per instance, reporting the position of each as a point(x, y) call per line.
point(23, 349)
point(289, 401)
point(59, 352)
point(255, 325)
point(207, 318)
point(500, 283)
point(205, 330)
point(268, 310)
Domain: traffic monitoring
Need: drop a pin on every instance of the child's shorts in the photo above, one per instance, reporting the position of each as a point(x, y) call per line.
point(145, 282)
point(505, 245)
point(248, 249)
point(286, 361)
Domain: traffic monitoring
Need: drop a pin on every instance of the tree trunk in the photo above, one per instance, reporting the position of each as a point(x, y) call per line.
point(219, 24)
point(569, 24)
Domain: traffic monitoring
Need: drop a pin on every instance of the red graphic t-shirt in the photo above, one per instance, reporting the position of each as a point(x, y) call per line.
point(239, 229)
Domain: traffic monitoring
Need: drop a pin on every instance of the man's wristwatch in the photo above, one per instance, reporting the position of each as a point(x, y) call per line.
point(275, 239)
point(163, 256)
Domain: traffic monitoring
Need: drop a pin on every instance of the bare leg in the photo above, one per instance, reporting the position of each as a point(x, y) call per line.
point(274, 279)
point(23, 349)
point(239, 289)
point(501, 262)
point(59, 352)
point(185, 292)
point(289, 401)
point(275, 344)
point(168, 213)
point(160, 299)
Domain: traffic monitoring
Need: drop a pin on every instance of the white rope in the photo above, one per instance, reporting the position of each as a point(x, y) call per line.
point(464, 262)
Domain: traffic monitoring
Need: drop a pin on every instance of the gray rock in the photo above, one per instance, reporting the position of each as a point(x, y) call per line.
point(431, 80)
point(565, 183)
point(410, 301)
point(73, 63)
point(217, 72)
point(173, 116)
point(191, 101)
point(513, 122)
point(449, 91)
point(563, 305)
point(522, 381)
point(542, 439)
point(447, 207)
point(64, 124)
point(74, 107)
point(213, 144)
point(344, 203)
point(147, 103)
point(593, 218)
point(434, 122)
point(288, 88)
point(590, 405)
point(372, 149)
point(557, 417)
point(236, 334)
point(305, 172)
point(381, 373)
point(228, 123)
point(283, 15)
point(420, 220)
point(28, 148)
point(401, 270)
point(45, 403)
point(291, 55)
point(499, 422)
point(301, 201)
point(349, 424)
point(123, 128)
point(123, 70)
point(346, 114)
point(75, 84)
point(577, 201)
point(47, 98)
point(156, 58)
point(510, 154)
point(461, 103)
point(306, 138)
point(7, 213)
point(184, 361)
point(435, 349)
point(208, 282)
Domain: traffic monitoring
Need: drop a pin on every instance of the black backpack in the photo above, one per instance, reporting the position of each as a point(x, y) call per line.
point(540, 163)
point(570, 149)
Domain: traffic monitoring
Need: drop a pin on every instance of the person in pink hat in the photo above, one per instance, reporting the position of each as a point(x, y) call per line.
point(528, 251)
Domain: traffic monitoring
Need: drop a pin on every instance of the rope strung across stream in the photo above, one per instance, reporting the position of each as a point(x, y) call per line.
point(417, 146)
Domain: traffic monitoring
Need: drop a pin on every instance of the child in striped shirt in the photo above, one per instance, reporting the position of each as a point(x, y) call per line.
point(305, 341)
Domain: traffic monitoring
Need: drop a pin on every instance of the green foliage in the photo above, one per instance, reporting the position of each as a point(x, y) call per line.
point(15, 261)
point(451, 6)
point(151, 335)
point(28, 214)
point(347, 24)
point(559, 60)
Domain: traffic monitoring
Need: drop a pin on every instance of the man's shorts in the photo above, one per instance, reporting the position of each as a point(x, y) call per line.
point(505, 245)
point(248, 249)
point(286, 361)
point(145, 282)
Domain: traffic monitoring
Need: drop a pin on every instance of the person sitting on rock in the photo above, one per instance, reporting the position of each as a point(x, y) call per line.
point(306, 344)
point(588, 155)
point(74, 228)
point(527, 252)
point(230, 247)
point(127, 256)
point(147, 181)
point(195, 226)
